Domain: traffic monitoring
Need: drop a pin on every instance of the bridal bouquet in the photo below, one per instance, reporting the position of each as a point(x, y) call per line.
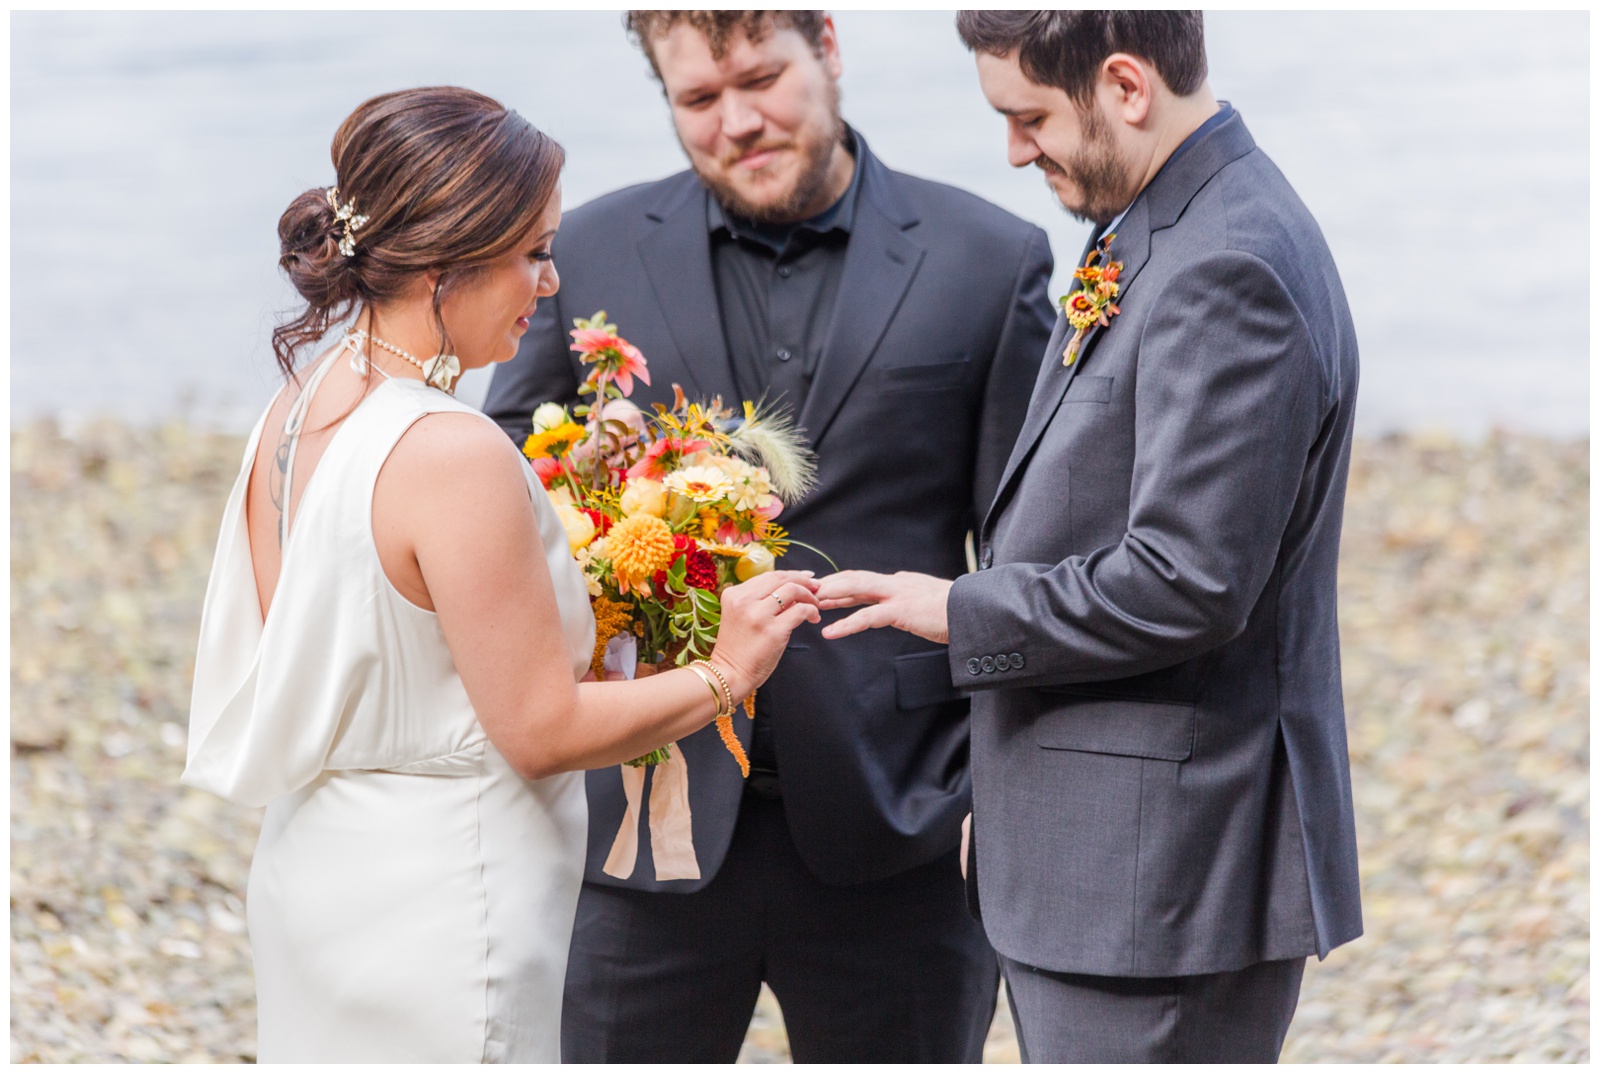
point(663, 510)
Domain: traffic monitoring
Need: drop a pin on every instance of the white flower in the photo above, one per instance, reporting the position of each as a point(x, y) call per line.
point(644, 497)
point(549, 416)
point(751, 486)
point(702, 484)
point(587, 558)
point(579, 526)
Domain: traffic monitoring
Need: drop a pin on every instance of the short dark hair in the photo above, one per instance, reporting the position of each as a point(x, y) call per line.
point(719, 27)
point(1066, 48)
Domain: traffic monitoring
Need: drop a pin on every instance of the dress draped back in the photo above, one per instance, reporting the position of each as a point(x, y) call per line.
point(412, 896)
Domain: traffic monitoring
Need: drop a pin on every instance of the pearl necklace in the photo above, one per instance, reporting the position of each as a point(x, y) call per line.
point(440, 371)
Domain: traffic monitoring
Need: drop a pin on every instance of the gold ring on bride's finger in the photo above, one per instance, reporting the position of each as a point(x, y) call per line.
point(779, 599)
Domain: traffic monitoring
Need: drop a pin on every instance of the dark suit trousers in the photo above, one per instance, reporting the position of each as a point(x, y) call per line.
point(889, 971)
point(1238, 1017)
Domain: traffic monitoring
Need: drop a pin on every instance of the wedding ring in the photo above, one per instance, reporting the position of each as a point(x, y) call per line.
point(779, 600)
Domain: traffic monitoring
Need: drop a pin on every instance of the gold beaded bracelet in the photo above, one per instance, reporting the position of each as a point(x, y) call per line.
point(727, 693)
point(716, 695)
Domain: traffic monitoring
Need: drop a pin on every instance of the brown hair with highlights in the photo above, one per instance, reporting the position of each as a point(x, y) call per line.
point(719, 27)
point(449, 180)
point(1065, 49)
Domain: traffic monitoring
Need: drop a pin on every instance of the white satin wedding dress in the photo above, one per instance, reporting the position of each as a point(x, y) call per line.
point(412, 897)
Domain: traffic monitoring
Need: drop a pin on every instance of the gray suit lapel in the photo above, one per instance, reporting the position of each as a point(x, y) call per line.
point(1131, 246)
point(677, 258)
point(879, 265)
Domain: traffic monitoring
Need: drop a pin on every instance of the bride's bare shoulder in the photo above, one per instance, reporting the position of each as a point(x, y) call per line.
point(460, 452)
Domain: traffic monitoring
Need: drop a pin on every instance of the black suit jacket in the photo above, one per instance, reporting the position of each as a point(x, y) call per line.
point(921, 388)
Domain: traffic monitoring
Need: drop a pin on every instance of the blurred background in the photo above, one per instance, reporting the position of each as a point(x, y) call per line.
point(1446, 156)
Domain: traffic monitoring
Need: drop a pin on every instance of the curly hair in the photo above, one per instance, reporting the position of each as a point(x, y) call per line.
point(719, 27)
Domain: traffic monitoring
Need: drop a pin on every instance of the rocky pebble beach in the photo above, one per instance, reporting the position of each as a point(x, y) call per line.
point(1465, 614)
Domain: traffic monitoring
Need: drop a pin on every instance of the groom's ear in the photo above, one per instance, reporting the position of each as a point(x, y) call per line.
point(1127, 85)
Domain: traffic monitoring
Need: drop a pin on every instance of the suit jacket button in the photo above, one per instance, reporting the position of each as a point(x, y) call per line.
point(987, 559)
point(974, 667)
point(988, 664)
point(1016, 661)
point(1002, 662)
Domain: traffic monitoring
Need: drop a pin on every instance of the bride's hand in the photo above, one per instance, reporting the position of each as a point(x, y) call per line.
point(757, 618)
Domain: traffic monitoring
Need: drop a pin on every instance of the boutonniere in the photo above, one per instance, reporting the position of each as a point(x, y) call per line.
point(1091, 303)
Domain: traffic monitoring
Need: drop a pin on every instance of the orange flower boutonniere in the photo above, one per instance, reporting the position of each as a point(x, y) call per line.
point(1092, 303)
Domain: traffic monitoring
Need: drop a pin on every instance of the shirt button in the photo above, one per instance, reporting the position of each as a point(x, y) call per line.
point(988, 664)
point(1016, 661)
point(785, 271)
point(987, 560)
point(1002, 662)
point(974, 667)
point(783, 354)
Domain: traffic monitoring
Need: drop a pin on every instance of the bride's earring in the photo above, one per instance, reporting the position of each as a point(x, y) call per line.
point(441, 371)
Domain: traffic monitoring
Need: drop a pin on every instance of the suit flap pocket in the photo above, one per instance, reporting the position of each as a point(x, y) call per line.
point(1089, 389)
point(923, 679)
point(1162, 732)
point(928, 376)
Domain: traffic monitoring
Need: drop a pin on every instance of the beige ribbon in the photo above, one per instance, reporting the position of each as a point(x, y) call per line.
point(671, 822)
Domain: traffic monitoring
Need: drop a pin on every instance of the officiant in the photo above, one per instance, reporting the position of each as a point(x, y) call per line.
point(900, 322)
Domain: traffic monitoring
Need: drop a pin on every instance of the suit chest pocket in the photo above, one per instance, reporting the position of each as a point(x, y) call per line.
point(1089, 390)
point(925, 377)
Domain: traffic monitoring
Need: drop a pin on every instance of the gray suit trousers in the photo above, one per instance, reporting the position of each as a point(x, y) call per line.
point(1237, 1017)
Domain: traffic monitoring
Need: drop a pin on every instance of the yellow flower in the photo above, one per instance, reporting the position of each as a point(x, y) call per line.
point(644, 497)
point(756, 560)
point(579, 526)
point(710, 519)
point(639, 546)
point(553, 443)
point(702, 484)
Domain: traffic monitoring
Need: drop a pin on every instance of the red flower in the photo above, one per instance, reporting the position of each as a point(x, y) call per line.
point(700, 570)
point(602, 521)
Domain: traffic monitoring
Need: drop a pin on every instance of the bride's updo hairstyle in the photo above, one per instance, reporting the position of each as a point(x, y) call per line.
point(448, 180)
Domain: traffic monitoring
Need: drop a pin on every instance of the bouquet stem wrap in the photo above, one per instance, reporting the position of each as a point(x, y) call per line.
point(671, 821)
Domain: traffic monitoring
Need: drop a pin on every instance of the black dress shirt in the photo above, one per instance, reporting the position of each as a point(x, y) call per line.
point(776, 288)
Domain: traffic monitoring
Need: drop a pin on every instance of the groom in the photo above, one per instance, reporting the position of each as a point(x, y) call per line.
point(900, 321)
point(1162, 824)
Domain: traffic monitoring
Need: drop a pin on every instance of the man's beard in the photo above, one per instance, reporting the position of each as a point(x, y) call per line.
point(1098, 170)
point(816, 160)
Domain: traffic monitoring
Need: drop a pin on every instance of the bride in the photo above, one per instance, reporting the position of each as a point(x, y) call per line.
point(394, 630)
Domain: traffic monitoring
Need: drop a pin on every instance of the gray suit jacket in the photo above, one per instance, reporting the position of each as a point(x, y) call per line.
point(1161, 781)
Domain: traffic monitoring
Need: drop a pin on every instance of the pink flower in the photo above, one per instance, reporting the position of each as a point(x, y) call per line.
point(769, 508)
point(729, 533)
point(547, 468)
point(655, 461)
point(612, 356)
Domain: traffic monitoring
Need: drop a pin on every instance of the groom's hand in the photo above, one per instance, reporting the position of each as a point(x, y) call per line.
point(911, 602)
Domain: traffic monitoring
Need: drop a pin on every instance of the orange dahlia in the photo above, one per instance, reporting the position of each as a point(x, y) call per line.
point(638, 546)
